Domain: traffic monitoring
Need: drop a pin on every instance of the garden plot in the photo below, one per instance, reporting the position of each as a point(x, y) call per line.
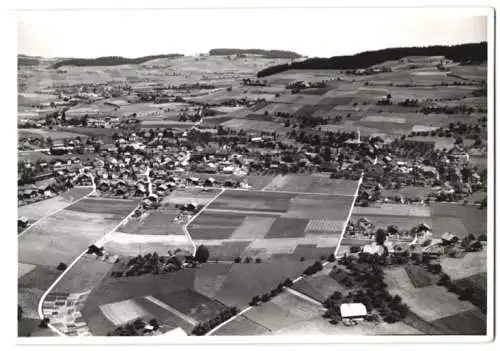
point(320, 207)
point(186, 196)
point(287, 228)
point(225, 251)
point(123, 312)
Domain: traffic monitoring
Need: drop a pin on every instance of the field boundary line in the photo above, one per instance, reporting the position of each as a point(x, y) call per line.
point(59, 210)
point(349, 214)
point(186, 231)
point(229, 320)
point(163, 305)
point(289, 192)
point(303, 296)
point(40, 303)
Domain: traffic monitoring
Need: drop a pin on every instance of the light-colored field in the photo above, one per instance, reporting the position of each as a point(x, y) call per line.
point(85, 275)
point(23, 268)
point(254, 125)
point(43, 133)
point(299, 306)
point(122, 312)
point(472, 263)
point(321, 326)
point(63, 236)
point(316, 183)
point(430, 303)
point(197, 196)
point(253, 227)
point(393, 210)
point(272, 316)
point(43, 208)
point(324, 225)
point(135, 244)
point(384, 119)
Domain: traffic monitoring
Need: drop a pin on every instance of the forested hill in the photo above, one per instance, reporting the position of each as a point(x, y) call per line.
point(266, 53)
point(111, 60)
point(476, 52)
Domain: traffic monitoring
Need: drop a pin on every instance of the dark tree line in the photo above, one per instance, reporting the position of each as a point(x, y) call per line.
point(111, 60)
point(266, 53)
point(464, 53)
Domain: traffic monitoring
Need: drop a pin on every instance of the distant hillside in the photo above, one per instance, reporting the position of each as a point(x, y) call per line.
point(111, 60)
point(275, 54)
point(23, 60)
point(476, 52)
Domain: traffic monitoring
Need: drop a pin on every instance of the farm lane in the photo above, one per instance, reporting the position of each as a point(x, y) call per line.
point(184, 228)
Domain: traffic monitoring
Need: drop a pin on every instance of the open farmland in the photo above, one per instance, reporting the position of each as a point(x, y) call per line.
point(161, 222)
point(44, 208)
point(270, 225)
point(431, 302)
point(472, 217)
point(316, 183)
point(54, 135)
point(116, 207)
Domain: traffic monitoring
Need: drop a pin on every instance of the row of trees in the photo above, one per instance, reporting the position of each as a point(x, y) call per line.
point(267, 296)
point(204, 327)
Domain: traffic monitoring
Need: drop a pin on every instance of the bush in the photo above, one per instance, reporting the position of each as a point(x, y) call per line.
point(354, 249)
point(202, 254)
point(44, 323)
point(258, 260)
point(331, 258)
point(248, 260)
point(62, 266)
point(237, 260)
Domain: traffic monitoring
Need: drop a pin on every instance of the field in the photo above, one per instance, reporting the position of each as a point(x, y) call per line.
point(473, 219)
point(43, 208)
point(251, 125)
point(241, 326)
point(430, 303)
point(101, 205)
point(270, 225)
point(244, 281)
point(62, 236)
point(54, 135)
point(419, 276)
point(161, 222)
point(473, 263)
point(316, 183)
point(85, 275)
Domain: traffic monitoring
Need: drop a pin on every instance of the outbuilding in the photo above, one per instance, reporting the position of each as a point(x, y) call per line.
point(356, 311)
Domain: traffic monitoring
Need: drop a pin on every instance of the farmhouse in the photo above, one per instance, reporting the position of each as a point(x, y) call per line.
point(355, 311)
point(449, 238)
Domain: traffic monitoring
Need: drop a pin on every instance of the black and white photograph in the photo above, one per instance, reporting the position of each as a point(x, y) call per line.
point(254, 172)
